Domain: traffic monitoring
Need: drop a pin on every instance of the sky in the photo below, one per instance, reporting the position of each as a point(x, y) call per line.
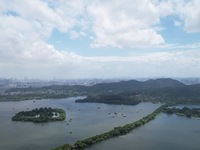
point(69, 39)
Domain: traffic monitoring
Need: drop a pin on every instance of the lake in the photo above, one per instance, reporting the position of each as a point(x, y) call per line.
point(166, 132)
point(83, 120)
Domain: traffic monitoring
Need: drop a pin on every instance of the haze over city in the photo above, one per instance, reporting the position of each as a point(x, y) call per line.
point(99, 39)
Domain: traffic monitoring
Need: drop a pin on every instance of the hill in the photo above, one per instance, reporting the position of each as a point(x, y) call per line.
point(133, 85)
point(163, 83)
point(128, 92)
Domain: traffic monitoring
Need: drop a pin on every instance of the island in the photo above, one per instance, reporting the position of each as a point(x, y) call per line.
point(115, 99)
point(188, 112)
point(39, 115)
point(168, 92)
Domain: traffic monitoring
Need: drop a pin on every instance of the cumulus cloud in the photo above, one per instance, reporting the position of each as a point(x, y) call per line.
point(177, 23)
point(122, 23)
point(157, 64)
point(26, 25)
point(191, 16)
point(186, 10)
point(164, 7)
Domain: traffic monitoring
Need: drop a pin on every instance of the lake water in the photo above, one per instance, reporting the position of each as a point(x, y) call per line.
point(88, 119)
point(166, 132)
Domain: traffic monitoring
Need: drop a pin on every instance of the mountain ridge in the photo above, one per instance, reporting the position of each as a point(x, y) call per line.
point(134, 85)
point(130, 85)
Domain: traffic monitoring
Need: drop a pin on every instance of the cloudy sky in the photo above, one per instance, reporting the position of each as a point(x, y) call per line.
point(99, 38)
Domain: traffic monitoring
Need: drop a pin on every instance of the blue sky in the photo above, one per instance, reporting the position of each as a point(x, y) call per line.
point(172, 35)
point(99, 39)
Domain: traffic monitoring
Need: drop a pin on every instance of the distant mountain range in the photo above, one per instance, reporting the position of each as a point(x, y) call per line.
point(130, 85)
point(133, 85)
point(162, 89)
point(158, 90)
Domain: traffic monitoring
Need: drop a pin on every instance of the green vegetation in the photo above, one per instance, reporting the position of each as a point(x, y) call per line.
point(125, 92)
point(131, 92)
point(193, 112)
point(159, 90)
point(111, 99)
point(40, 115)
point(133, 86)
point(35, 96)
point(46, 92)
point(186, 94)
point(64, 147)
point(117, 131)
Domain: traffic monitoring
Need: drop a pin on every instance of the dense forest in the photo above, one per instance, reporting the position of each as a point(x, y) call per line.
point(160, 92)
point(193, 112)
point(122, 99)
point(127, 92)
point(40, 115)
point(35, 96)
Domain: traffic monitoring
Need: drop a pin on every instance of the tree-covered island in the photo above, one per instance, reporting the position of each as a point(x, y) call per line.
point(115, 99)
point(167, 91)
point(40, 115)
point(188, 112)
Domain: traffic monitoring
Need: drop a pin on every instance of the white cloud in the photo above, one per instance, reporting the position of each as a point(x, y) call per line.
point(186, 10)
point(177, 23)
point(75, 34)
point(24, 51)
point(179, 47)
point(165, 7)
point(132, 38)
point(171, 64)
point(110, 23)
point(43, 61)
point(124, 23)
point(189, 12)
point(192, 19)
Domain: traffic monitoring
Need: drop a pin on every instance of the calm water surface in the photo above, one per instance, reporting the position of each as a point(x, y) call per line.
point(166, 132)
point(87, 120)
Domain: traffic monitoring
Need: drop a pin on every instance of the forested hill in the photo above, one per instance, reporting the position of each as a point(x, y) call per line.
point(162, 90)
point(122, 86)
point(182, 94)
point(133, 85)
point(189, 93)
